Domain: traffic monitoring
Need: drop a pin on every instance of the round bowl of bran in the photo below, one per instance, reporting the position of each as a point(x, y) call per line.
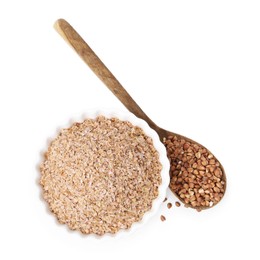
point(104, 174)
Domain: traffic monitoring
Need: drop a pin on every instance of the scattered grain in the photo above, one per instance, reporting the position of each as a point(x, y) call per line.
point(177, 204)
point(163, 218)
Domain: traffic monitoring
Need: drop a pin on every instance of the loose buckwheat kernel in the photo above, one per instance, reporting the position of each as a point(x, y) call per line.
point(163, 218)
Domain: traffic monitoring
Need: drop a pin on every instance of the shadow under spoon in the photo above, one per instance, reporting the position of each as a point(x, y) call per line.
point(167, 137)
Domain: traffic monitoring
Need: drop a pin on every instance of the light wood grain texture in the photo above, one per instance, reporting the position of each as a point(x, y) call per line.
point(71, 36)
point(99, 68)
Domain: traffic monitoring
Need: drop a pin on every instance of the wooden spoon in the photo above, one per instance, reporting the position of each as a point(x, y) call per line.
point(102, 72)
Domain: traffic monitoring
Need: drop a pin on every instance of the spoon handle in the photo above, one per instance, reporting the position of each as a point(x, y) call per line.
point(70, 35)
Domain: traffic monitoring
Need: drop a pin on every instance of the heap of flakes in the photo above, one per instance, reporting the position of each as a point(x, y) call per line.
point(101, 175)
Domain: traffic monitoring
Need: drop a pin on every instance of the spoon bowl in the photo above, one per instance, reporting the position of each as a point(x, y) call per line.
point(70, 35)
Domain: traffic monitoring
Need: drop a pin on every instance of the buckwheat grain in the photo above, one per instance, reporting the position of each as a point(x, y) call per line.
point(196, 175)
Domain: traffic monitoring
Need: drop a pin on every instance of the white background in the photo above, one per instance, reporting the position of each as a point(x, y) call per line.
point(193, 66)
